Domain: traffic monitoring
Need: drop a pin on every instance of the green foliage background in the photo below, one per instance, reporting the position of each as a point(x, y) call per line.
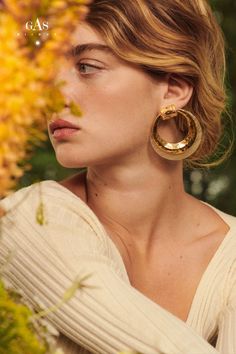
point(216, 186)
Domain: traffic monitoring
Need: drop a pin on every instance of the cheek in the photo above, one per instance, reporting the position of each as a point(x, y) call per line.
point(119, 109)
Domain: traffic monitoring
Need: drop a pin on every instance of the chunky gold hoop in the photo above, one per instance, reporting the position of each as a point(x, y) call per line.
point(184, 148)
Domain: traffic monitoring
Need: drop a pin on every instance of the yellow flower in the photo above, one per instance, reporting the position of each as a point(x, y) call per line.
point(28, 95)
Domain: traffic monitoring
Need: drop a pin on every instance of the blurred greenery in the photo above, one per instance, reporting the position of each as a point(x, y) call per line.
point(217, 185)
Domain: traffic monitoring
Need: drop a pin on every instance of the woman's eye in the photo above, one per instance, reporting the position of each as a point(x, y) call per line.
point(84, 68)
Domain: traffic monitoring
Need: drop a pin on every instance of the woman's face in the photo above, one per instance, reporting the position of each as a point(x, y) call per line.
point(119, 104)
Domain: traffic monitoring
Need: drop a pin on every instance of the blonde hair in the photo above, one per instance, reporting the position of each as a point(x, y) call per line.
point(181, 37)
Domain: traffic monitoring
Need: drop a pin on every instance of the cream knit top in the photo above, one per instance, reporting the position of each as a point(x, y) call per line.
point(109, 315)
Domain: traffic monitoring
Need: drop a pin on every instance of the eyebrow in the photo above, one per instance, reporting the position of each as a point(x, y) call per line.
point(79, 49)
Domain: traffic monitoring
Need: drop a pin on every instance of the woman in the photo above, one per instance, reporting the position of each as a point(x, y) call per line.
point(162, 264)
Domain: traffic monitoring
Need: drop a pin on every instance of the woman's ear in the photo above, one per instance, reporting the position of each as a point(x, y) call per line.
point(178, 91)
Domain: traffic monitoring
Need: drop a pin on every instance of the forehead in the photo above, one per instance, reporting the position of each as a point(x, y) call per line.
point(84, 33)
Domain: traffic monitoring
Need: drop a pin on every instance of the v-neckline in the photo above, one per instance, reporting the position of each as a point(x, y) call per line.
point(201, 285)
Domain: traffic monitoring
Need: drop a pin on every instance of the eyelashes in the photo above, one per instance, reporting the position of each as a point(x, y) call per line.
point(86, 69)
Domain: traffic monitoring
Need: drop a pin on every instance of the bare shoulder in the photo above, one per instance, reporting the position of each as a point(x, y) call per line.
point(208, 222)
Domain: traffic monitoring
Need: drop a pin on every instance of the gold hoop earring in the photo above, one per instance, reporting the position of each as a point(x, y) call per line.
point(184, 148)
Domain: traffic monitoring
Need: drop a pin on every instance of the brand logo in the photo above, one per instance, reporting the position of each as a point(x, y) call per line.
point(37, 25)
point(36, 30)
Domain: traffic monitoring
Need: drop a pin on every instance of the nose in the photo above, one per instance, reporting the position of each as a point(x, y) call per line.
point(69, 88)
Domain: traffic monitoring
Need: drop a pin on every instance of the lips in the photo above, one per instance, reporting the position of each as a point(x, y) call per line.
point(61, 124)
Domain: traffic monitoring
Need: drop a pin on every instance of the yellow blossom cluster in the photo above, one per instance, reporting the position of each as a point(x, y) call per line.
point(27, 70)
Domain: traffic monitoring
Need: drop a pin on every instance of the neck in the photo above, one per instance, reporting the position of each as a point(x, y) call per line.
point(140, 204)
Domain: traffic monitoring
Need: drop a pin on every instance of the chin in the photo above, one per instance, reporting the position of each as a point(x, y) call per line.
point(69, 157)
point(72, 158)
point(70, 163)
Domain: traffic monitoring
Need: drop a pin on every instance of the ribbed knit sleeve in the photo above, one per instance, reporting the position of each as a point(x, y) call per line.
point(107, 315)
point(226, 342)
